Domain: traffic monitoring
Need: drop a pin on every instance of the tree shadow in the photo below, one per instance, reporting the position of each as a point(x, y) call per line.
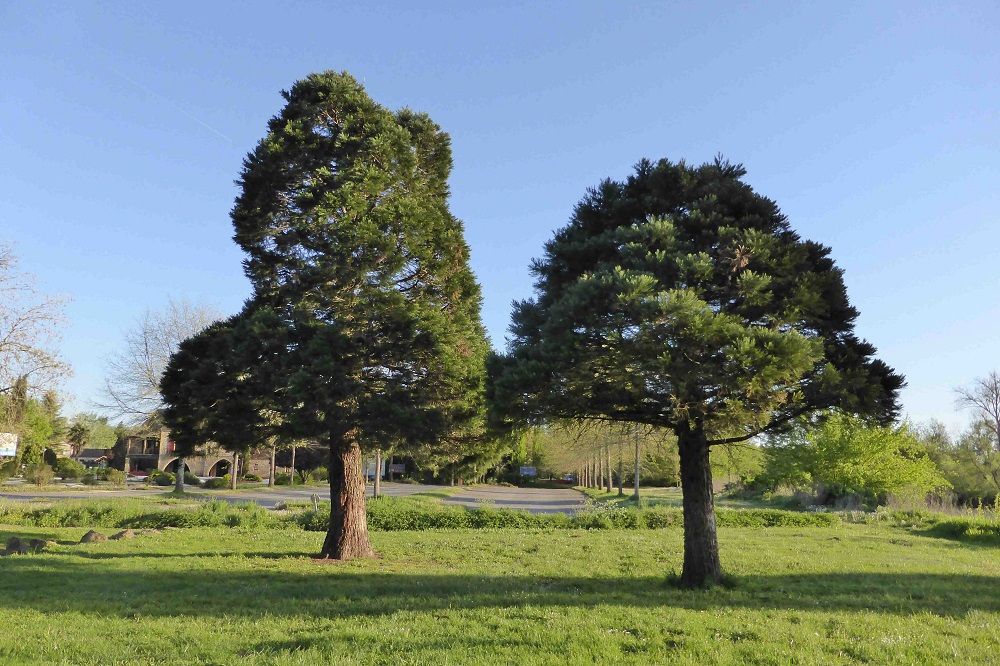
point(40, 583)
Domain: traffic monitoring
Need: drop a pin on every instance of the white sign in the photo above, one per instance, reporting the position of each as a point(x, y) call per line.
point(8, 445)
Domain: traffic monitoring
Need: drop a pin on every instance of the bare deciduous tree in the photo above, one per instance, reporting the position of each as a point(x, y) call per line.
point(982, 441)
point(983, 398)
point(132, 374)
point(30, 329)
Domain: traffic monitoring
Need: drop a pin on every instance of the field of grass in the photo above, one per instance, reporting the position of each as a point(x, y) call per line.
point(840, 594)
point(671, 498)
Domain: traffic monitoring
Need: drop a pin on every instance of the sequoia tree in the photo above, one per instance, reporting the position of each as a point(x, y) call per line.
point(682, 299)
point(361, 272)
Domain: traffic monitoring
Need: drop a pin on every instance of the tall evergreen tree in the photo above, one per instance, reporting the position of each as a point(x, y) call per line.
point(681, 299)
point(361, 279)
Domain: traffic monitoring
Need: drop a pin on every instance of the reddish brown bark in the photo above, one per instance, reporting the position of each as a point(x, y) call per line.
point(347, 537)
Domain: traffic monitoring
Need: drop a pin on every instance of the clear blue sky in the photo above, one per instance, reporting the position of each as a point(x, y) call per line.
point(874, 125)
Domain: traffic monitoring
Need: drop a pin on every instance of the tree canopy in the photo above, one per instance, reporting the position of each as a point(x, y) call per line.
point(681, 298)
point(362, 290)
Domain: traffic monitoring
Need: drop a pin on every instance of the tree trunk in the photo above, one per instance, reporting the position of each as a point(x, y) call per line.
point(600, 470)
point(291, 480)
point(637, 464)
point(607, 458)
point(235, 471)
point(378, 472)
point(179, 477)
point(701, 543)
point(270, 481)
point(621, 477)
point(347, 537)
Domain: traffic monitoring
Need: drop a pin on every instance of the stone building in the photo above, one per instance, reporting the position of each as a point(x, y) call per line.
point(146, 453)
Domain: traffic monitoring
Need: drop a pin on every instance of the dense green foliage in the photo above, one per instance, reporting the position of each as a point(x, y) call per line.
point(69, 469)
point(843, 455)
point(681, 296)
point(39, 474)
point(360, 269)
point(681, 299)
point(363, 329)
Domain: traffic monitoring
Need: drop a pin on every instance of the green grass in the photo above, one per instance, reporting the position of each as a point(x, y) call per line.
point(671, 498)
point(864, 593)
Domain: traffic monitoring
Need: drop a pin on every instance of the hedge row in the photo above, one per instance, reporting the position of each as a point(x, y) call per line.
point(384, 514)
point(388, 515)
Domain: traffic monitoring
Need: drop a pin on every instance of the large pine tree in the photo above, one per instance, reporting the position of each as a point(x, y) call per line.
point(681, 299)
point(365, 312)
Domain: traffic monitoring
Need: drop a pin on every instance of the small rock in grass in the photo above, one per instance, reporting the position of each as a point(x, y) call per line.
point(93, 536)
point(126, 534)
point(152, 530)
point(17, 547)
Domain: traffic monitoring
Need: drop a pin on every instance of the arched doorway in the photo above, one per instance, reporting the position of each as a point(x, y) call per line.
point(172, 467)
point(221, 468)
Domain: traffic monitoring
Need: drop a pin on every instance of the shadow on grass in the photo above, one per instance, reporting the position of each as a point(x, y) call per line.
point(91, 585)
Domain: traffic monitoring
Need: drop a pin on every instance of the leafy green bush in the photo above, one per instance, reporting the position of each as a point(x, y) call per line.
point(976, 529)
point(89, 479)
point(160, 478)
point(7, 470)
point(773, 518)
point(218, 482)
point(67, 468)
point(319, 475)
point(845, 456)
point(39, 474)
point(252, 477)
point(282, 479)
point(191, 479)
point(116, 476)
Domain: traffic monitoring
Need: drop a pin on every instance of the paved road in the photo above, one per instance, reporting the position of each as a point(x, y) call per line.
point(264, 497)
point(534, 500)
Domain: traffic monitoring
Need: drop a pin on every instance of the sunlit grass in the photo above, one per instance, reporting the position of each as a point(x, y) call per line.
point(844, 594)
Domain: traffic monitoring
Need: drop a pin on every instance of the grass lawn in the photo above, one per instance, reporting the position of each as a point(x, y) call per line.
point(672, 498)
point(844, 594)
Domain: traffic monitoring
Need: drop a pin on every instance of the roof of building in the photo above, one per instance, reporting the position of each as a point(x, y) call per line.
point(93, 454)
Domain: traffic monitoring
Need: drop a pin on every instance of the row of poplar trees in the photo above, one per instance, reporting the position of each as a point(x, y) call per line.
point(678, 299)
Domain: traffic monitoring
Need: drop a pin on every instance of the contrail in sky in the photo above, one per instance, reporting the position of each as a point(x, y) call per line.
point(146, 89)
point(156, 94)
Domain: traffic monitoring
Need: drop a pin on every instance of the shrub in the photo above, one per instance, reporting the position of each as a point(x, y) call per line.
point(90, 479)
point(116, 476)
point(252, 477)
point(976, 529)
point(773, 518)
point(39, 474)
point(219, 482)
point(191, 479)
point(282, 479)
point(7, 470)
point(319, 475)
point(161, 478)
point(69, 469)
